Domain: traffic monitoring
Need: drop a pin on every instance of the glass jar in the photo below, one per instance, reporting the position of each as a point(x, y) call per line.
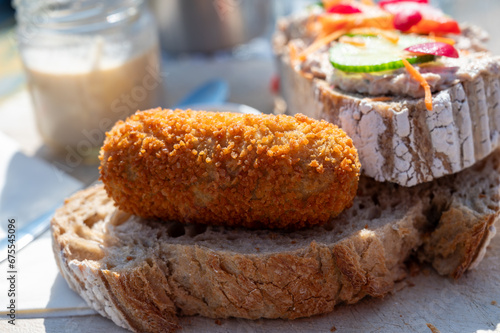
point(88, 63)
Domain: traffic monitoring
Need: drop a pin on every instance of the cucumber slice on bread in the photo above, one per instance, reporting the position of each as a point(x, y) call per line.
point(377, 54)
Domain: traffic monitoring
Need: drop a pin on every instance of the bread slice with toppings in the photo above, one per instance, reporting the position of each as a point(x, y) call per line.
point(143, 274)
point(397, 139)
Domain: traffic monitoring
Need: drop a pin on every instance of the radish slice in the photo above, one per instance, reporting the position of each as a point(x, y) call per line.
point(387, 2)
point(343, 9)
point(406, 19)
point(437, 48)
point(433, 19)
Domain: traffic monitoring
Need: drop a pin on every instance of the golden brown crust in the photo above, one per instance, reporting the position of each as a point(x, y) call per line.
point(144, 297)
point(230, 169)
point(457, 240)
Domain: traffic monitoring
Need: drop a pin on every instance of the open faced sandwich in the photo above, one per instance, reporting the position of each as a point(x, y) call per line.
point(261, 216)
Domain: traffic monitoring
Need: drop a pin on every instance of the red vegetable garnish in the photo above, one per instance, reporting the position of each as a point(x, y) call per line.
point(406, 19)
point(274, 85)
point(433, 20)
point(387, 2)
point(437, 48)
point(343, 9)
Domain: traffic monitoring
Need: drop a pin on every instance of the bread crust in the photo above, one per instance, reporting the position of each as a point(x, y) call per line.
point(148, 295)
point(144, 274)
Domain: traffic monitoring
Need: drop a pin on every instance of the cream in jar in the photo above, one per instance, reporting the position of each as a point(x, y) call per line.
point(84, 78)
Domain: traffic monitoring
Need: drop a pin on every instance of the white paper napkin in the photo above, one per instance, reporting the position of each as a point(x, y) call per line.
point(30, 187)
point(41, 291)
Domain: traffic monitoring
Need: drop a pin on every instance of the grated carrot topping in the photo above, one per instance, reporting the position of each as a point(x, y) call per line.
point(420, 79)
point(381, 99)
point(313, 27)
point(319, 42)
point(441, 39)
point(387, 34)
point(352, 40)
point(330, 3)
point(375, 18)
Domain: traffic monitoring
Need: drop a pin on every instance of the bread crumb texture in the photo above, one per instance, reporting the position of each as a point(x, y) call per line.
point(230, 169)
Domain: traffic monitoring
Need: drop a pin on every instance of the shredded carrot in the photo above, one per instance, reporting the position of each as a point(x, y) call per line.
point(381, 99)
point(376, 18)
point(352, 40)
point(331, 23)
point(368, 2)
point(418, 77)
point(313, 27)
point(441, 39)
point(330, 3)
point(389, 35)
point(319, 42)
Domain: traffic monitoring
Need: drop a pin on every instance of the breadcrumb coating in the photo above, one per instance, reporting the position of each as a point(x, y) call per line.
point(230, 169)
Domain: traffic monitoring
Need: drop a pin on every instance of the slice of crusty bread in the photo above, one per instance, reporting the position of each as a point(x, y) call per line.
point(143, 274)
point(399, 140)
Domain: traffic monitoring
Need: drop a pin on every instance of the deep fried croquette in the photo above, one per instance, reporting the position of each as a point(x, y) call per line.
point(230, 169)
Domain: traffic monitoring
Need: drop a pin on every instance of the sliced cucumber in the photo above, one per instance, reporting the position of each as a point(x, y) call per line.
point(377, 55)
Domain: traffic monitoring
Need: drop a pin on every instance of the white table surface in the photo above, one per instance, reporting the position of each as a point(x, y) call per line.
point(470, 304)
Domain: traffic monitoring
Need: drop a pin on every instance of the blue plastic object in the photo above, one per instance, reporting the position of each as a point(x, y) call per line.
point(212, 92)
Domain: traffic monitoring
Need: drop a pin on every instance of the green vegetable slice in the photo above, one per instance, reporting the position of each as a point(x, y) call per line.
point(377, 55)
